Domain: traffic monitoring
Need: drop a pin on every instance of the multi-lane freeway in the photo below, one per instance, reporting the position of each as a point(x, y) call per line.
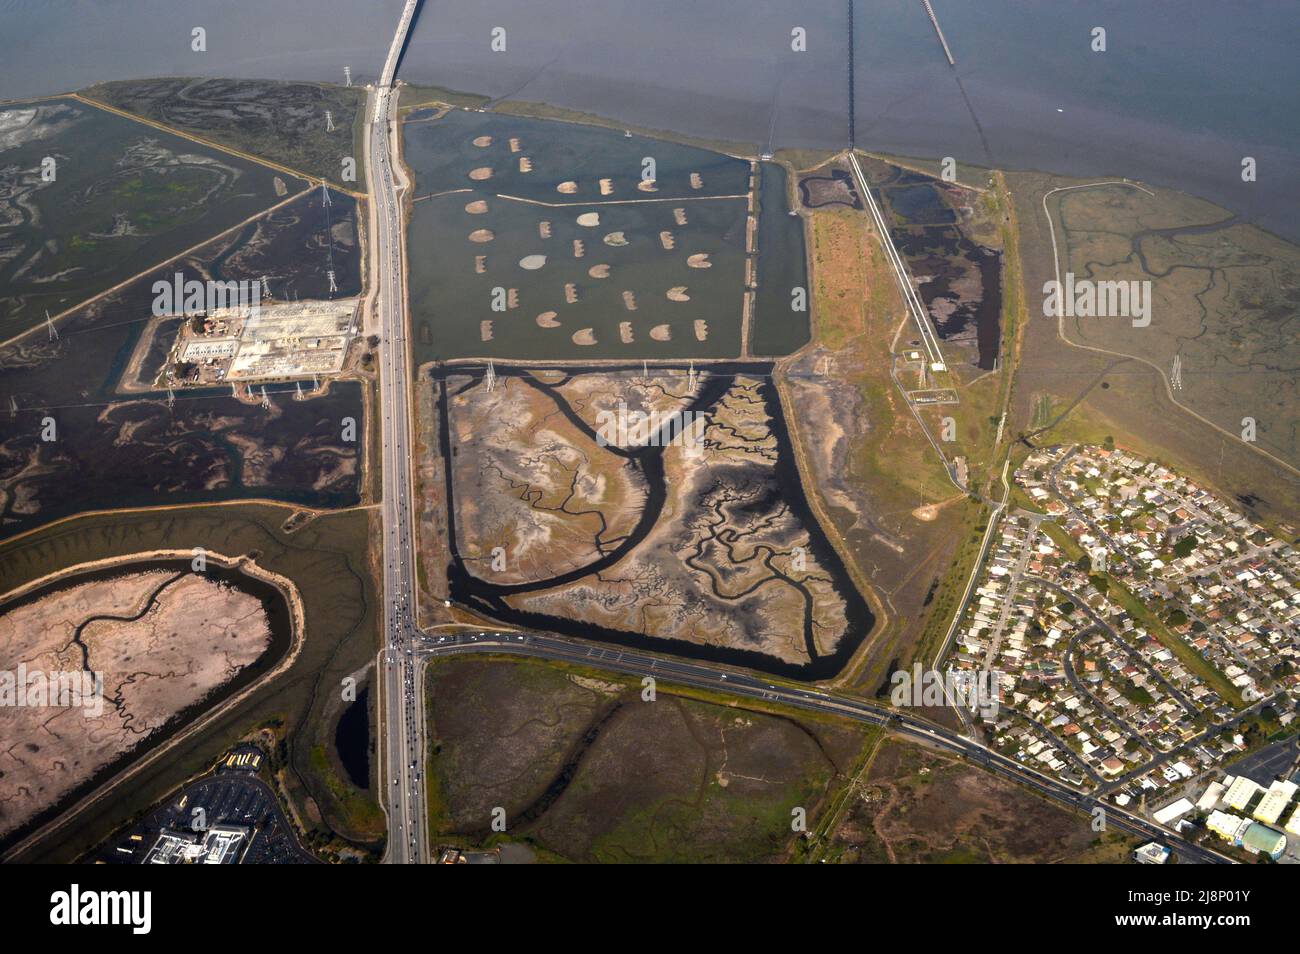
point(400, 698)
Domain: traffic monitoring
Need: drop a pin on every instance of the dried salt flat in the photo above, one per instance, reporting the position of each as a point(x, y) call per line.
point(679, 216)
point(629, 301)
point(699, 260)
point(547, 320)
point(532, 262)
point(599, 271)
point(480, 264)
point(482, 141)
point(647, 185)
point(485, 329)
point(606, 186)
point(514, 144)
point(584, 337)
point(481, 173)
point(568, 188)
point(701, 329)
point(525, 164)
point(625, 332)
point(477, 207)
point(482, 235)
point(570, 293)
point(697, 181)
point(616, 239)
point(662, 333)
point(589, 219)
point(678, 293)
point(666, 240)
point(544, 229)
point(579, 248)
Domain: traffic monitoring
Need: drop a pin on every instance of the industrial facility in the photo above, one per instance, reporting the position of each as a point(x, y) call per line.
point(299, 339)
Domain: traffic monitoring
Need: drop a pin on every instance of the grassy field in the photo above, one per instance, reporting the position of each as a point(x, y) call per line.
point(586, 770)
point(420, 97)
point(327, 558)
point(915, 806)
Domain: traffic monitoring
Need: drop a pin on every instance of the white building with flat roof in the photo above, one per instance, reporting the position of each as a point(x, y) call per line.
point(1209, 800)
point(1241, 791)
point(1275, 801)
point(1293, 826)
point(1174, 811)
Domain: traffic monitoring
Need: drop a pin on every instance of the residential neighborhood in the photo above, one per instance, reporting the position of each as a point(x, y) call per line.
point(1145, 634)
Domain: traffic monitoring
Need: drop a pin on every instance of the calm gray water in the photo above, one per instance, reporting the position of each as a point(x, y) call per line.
point(1184, 91)
point(54, 46)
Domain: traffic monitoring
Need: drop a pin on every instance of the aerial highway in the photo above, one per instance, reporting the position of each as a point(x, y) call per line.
point(400, 700)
